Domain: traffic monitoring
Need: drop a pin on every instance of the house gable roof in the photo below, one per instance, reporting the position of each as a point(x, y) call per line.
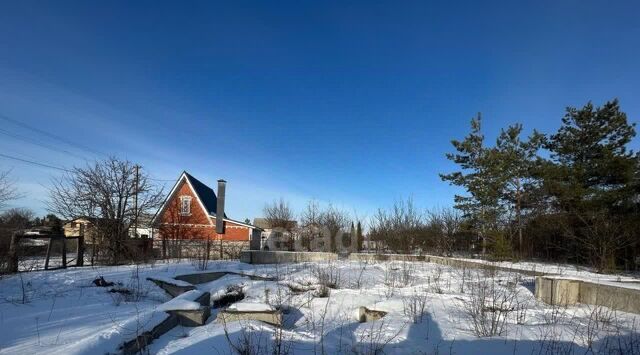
point(204, 194)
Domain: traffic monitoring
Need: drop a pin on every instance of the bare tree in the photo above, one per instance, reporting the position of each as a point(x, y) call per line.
point(8, 191)
point(12, 220)
point(279, 215)
point(334, 220)
point(280, 218)
point(309, 224)
point(105, 190)
point(174, 233)
point(444, 228)
point(400, 229)
point(600, 235)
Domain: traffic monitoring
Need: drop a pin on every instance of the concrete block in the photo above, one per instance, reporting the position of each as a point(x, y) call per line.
point(556, 291)
point(270, 317)
point(369, 315)
point(192, 318)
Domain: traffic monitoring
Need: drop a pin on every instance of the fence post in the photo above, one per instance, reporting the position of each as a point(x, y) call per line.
point(13, 253)
point(46, 260)
point(80, 250)
point(64, 251)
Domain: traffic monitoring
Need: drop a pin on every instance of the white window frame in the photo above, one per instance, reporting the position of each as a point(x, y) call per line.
point(185, 201)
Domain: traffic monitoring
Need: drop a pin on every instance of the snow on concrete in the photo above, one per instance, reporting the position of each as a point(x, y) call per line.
point(171, 281)
point(183, 302)
point(251, 307)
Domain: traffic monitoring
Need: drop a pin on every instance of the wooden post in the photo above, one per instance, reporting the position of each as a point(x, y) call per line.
point(63, 239)
point(93, 251)
point(46, 260)
point(13, 253)
point(80, 250)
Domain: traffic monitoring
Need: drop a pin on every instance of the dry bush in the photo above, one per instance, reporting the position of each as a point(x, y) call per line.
point(488, 306)
point(249, 342)
point(398, 277)
point(328, 275)
point(407, 274)
point(363, 268)
point(321, 292)
point(374, 338)
point(201, 254)
point(435, 282)
point(415, 305)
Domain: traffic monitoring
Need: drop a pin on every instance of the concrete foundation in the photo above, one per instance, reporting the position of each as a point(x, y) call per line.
point(135, 346)
point(281, 257)
point(565, 292)
point(556, 291)
point(270, 317)
point(549, 288)
point(192, 318)
point(171, 289)
point(203, 277)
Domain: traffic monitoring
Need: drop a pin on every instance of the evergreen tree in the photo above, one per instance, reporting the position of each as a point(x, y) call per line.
point(478, 177)
point(591, 167)
point(352, 233)
point(359, 236)
point(514, 161)
point(593, 178)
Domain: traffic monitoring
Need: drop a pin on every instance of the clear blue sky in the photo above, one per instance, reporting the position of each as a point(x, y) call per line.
point(349, 103)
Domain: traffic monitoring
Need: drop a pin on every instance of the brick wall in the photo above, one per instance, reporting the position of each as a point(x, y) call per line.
point(196, 225)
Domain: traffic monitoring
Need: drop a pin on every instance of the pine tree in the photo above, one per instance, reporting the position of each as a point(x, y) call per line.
point(359, 236)
point(478, 178)
point(591, 166)
point(352, 233)
point(515, 161)
point(593, 179)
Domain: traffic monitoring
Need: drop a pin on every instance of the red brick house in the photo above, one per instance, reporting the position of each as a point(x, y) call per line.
point(189, 216)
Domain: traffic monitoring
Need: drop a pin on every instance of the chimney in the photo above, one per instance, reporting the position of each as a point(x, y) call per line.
point(220, 207)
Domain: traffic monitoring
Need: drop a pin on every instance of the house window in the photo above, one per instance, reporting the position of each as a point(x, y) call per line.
point(185, 205)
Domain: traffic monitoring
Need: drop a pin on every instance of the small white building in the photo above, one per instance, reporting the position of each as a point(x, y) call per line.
point(275, 239)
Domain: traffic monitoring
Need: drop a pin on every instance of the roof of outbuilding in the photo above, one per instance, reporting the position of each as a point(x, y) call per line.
point(263, 223)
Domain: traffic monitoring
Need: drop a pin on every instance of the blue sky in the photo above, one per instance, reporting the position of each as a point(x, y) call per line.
point(353, 104)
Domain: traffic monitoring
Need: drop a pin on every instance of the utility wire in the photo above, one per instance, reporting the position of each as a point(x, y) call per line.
point(34, 163)
point(46, 146)
point(44, 165)
point(51, 135)
point(165, 180)
point(51, 147)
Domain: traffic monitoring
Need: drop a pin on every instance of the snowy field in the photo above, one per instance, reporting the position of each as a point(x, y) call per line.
point(430, 309)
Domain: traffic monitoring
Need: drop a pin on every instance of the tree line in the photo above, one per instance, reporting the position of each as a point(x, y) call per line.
point(568, 196)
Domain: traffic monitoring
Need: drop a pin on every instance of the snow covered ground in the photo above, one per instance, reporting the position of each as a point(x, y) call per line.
point(430, 309)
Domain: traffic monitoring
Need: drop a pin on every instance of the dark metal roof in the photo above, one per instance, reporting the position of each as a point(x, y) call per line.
point(205, 193)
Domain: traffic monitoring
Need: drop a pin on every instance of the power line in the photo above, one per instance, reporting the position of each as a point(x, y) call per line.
point(34, 163)
point(32, 141)
point(51, 147)
point(53, 136)
point(165, 180)
point(44, 165)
